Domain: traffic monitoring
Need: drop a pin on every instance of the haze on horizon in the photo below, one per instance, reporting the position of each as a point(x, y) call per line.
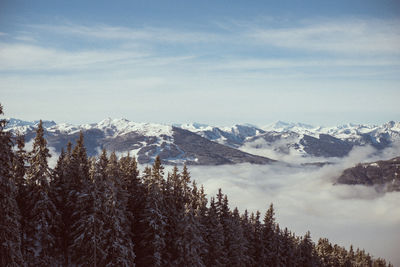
point(218, 63)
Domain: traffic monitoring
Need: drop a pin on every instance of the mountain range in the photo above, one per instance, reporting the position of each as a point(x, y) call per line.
point(202, 144)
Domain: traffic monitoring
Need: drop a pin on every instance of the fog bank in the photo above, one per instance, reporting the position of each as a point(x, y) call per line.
point(306, 199)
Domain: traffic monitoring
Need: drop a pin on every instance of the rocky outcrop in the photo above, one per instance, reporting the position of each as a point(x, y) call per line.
point(384, 174)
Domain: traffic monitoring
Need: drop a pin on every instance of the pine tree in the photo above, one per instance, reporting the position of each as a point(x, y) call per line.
point(247, 237)
point(88, 236)
point(59, 195)
point(152, 221)
point(325, 252)
point(174, 212)
point(257, 243)
point(134, 191)
point(118, 244)
point(235, 240)
point(307, 251)
point(10, 228)
point(268, 237)
point(42, 213)
point(19, 170)
point(216, 255)
point(189, 240)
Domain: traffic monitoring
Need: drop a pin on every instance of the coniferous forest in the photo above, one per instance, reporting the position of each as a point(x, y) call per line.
point(103, 212)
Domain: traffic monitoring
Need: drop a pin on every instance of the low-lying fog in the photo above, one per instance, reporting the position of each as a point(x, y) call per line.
point(306, 199)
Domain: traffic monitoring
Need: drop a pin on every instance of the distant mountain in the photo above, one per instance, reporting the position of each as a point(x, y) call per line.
point(236, 144)
point(384, 174)
point(144, 140)
point(299, 138)
point(234, 136)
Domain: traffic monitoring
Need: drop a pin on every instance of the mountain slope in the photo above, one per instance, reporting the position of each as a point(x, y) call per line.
point(144, 140)
point(385, 174)
point(301, 139)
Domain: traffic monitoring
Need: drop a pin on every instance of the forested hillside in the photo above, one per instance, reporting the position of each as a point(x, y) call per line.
point(103, 212)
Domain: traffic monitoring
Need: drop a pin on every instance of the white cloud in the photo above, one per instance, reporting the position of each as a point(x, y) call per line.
point(347, 36)
point(153, 34)
point(306, 199)
point(36, 58)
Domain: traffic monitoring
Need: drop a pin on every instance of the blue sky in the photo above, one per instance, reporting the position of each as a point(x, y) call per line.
point(215, 62)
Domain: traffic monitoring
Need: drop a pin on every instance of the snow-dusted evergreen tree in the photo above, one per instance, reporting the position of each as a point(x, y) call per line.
point(10, 228)
point(19, 163)
point(135, 193)
point(79, 202)
point(235, 240)
point(41, 212)
point(88, 235)
point(257, 243)
point(307, 251)
point(325, 253)
point(174, 214)
point(118, 244)
point(247, 237)
point(189, 241)
point(288, 247)
point(19, 170)
point(216, 254)
point(268, 237)
point(151, 228)
point(59, 195)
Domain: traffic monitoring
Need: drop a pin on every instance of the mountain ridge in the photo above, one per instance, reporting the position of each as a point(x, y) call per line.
point(146, 140)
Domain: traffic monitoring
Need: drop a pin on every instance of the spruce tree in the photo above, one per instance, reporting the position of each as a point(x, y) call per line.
point(216, 255)
point(59, 195)
point(235, 240)
point(151, 228)
point(19, 170)
point(189, 240)
point(10, 228)
point(118, 244)
point(247, 238)
point(257, 243)
point(134, 192)
point(88, 236)
point(268, 237)
point(307, 251)
point(42, 214)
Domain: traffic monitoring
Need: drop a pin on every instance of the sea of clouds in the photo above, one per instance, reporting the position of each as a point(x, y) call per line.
point(306, 198)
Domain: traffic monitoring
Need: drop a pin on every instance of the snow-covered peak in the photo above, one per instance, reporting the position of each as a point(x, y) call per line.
point(11, 122)
point(195, 127)
point(281, 126)
point(394, 126)
point(122, 126)
point(21, 126)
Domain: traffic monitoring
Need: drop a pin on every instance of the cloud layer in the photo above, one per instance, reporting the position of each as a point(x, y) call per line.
point(306, 199)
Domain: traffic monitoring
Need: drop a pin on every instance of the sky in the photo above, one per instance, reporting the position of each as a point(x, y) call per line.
point(214, 62)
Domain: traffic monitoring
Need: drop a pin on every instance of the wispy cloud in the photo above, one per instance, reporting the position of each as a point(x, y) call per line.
point(348, 36)
point(259, 67)
point(27, 57)
point(152, 34)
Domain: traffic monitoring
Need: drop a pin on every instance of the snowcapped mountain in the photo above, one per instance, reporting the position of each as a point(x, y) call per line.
point(282, 138)
point(233, 136)
point(205, 144)
point(144, 140)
